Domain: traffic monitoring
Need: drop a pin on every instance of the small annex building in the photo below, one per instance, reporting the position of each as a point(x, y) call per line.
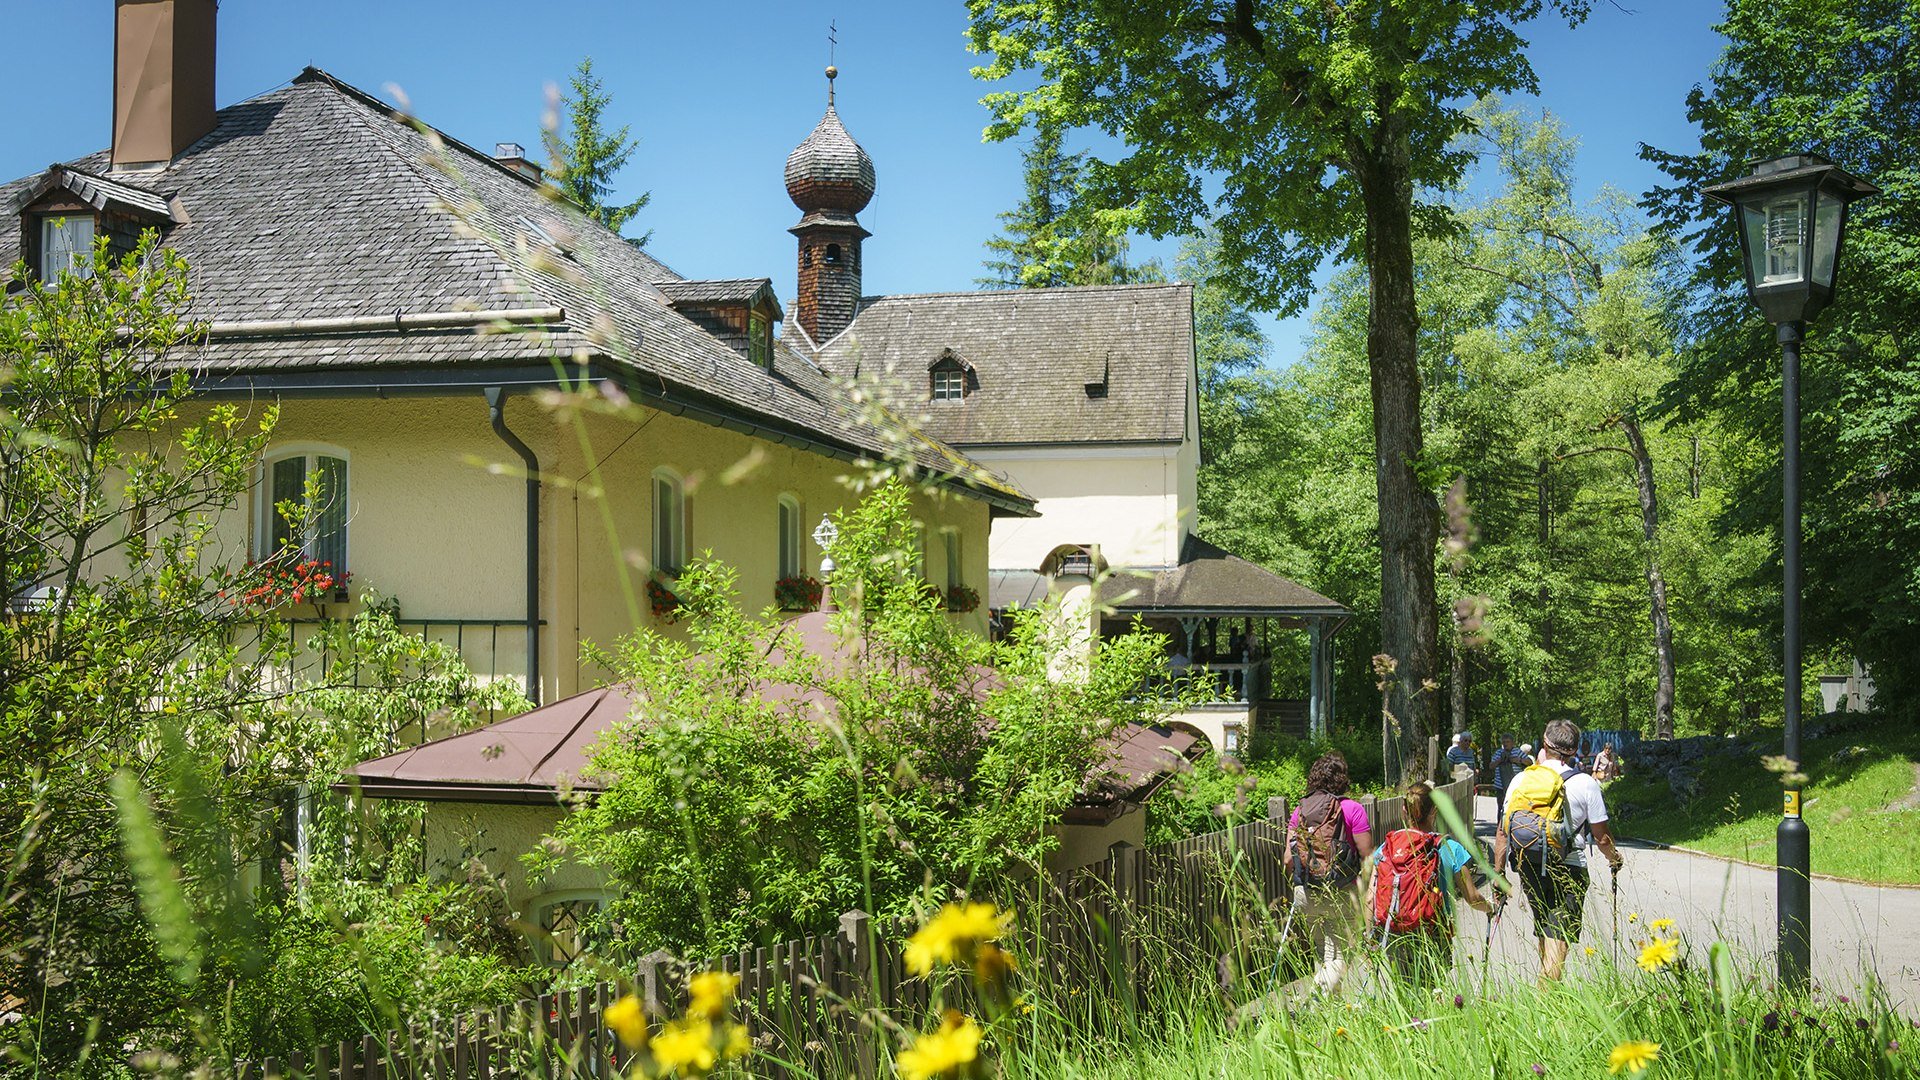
point(498, 789)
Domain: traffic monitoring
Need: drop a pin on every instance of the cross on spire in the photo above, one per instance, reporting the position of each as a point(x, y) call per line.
point(833, 41)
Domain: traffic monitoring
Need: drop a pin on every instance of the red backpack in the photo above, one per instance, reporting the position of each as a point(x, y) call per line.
point(1406, 891)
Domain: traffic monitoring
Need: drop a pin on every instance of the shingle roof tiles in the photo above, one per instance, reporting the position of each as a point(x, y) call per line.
point(316, 200)
point(1034, 351)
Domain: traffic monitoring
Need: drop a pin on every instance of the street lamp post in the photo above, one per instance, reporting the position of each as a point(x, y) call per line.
point(1791, 213)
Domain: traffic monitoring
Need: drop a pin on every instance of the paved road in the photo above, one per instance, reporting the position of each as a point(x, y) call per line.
point(1856, 928)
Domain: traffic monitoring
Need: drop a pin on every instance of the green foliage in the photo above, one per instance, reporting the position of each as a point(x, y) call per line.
point(1861, 801)
point(1326, 129)
point(587, 156)
point(1543, 332)
point(761, 788)
point(1220, 792)
point(1051, 238)
point(1835, 79)
point(1516, 1031)
point(155, 725)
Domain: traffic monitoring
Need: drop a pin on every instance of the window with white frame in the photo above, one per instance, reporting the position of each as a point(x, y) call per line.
point(949, 383)
point(303, 506)
point(669, 522)
point(569, 925)
point(66, 246)
point(793, 559)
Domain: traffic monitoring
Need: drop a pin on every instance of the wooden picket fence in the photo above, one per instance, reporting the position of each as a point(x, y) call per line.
point(1205, 905)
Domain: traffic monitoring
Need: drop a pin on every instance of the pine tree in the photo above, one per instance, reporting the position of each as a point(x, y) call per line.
point(1046, 242)
point(586, 156)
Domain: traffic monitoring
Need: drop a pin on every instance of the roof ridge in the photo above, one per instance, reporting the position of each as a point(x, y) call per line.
point(1051, 290)
point(311, 74)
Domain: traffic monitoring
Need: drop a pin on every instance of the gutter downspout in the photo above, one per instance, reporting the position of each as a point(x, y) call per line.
point(497, 413)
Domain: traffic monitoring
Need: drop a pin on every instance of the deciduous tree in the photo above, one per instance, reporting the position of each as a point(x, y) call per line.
point(1322, 126)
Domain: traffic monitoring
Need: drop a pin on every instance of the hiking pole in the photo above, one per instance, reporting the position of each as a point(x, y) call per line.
point(1286, 938)
point(1486, 956)
point(1613, 876)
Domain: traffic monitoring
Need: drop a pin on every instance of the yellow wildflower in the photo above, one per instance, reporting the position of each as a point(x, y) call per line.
point(685, 1045)
point(1658, 954)
point(943, 1052)
point(992, 964)
point(951, 934)
point(1591, 950)
point(1661, 924)
point(738, 1044)
point(1341, 1032)
point(1633, 916)
point(628, 1020)
point(1633, 1056)
point(710, 992)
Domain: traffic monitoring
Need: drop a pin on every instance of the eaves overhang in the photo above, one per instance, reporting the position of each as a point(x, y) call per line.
point(648, 389)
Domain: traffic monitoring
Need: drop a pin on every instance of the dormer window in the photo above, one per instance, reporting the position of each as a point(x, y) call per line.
point(66, 246)
point(950, 377)
point(949, 384)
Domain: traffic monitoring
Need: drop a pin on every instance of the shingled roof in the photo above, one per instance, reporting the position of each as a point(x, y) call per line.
point(316, 200)
point(1212, 581)
point(1035, 354)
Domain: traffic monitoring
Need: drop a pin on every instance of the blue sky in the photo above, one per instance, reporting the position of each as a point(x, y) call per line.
point(719, 93)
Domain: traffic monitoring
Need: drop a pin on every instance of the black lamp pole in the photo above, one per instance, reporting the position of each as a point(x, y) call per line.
point(1791, 213)
point(1793, 843)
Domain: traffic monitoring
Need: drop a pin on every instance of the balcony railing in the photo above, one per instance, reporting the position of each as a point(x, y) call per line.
point(1222, 684)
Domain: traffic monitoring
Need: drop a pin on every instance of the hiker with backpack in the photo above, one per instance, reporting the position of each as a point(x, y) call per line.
point(1416, 876)
point(1328, 837)
point(1549, 807)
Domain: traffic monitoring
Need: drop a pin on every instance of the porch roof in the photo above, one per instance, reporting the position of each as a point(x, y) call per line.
point(1209, 580)
point(532, 757)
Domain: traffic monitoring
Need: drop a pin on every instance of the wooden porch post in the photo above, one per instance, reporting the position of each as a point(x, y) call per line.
point(1318, 691)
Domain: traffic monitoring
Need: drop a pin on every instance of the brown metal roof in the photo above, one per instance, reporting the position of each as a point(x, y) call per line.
point(531, 757)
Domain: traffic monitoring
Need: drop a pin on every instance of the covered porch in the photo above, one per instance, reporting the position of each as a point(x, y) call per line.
point(1259, 647)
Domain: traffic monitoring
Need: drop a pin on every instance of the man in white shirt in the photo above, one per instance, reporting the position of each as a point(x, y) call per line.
point(1556, 882)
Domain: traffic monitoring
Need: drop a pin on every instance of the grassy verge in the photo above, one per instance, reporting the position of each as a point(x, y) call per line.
point(1846, 805)
point(1579, 1029)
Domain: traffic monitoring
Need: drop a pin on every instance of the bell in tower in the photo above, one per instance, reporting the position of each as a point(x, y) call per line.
point(830, 178)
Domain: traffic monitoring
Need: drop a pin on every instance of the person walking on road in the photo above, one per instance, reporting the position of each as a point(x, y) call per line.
point(1508, 760)
point(1328, 837)
point(1464, 755)
point(1550, 808)
point(1416, 874)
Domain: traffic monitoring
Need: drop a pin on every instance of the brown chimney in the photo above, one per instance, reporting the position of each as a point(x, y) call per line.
point(162, 78)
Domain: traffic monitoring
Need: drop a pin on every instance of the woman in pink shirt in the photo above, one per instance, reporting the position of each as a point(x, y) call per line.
point(1328, 837)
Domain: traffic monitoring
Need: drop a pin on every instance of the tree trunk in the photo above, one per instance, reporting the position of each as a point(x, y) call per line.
point(1409, 513)
point(1543, 508)
point(1656, 582)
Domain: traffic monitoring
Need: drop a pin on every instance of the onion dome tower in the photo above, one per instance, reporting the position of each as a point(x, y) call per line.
point(830, 178)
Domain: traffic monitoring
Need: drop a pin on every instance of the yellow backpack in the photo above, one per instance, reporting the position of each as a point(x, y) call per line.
point(1536, 820)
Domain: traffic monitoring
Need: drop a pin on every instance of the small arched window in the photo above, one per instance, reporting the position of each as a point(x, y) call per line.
point(669, 522)
point(833, 254)
point(303, 505)
point(570, 924)
point(792, 555)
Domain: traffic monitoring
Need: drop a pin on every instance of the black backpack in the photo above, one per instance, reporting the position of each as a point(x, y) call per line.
point(1320, 850)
